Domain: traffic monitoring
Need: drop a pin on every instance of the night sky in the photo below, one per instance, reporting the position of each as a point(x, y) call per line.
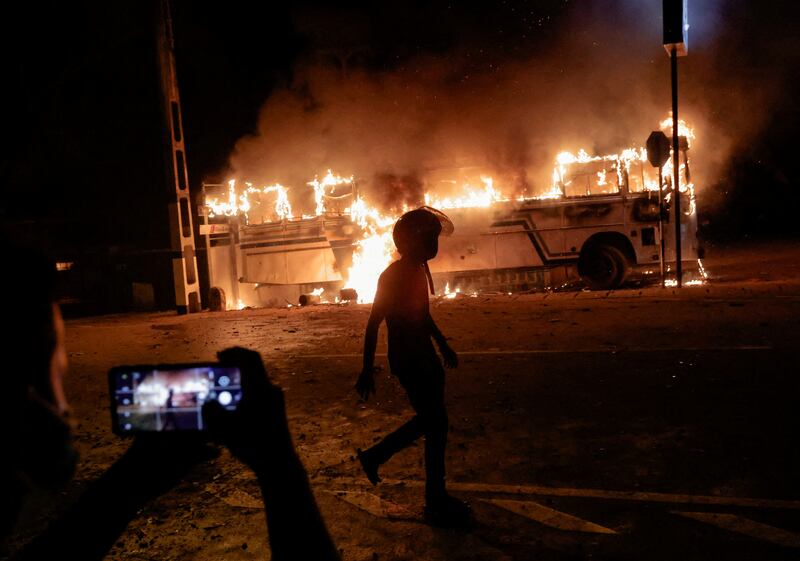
point(82, 155)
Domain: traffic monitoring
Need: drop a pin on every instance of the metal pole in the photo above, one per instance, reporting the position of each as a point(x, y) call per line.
point(204, 218)
point(661, 224)
point(676, 164)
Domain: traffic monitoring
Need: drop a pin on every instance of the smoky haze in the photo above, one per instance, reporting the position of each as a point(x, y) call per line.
point(602, 84)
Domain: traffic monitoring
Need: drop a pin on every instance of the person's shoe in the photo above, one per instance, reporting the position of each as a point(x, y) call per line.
point(448, 512)
point(370, 468)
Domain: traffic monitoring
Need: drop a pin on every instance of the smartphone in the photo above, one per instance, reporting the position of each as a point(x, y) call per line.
point(169, 397)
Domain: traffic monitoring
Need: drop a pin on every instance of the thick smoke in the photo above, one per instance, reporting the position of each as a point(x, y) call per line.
point(602, 85)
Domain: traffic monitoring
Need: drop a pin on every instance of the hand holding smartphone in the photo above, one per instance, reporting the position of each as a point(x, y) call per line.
point(169, 397)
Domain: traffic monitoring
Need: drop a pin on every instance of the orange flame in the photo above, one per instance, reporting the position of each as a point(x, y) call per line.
point(472, 197)
point(325, 187)
point(375, 249)
point(240, 203)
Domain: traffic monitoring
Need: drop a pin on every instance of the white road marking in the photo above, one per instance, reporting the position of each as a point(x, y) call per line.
point(492, 352)
point(549, 516)
point(235, 497)
point(375, 505)
point(745, 526)
point(640, 496)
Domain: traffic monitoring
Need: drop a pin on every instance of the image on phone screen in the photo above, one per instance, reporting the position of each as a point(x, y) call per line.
point(154, 400)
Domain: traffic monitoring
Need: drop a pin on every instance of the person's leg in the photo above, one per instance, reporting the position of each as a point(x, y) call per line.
point(427, 397)
point(395, 441)
point(425, 390)
point(426, 394)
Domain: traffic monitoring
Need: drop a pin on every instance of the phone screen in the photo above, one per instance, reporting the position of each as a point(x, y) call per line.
point(169, 397)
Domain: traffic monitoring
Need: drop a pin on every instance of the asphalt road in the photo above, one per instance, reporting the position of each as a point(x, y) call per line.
point(644, 423)
point(633, 444)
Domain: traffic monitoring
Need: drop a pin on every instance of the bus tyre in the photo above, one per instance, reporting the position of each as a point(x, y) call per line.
point(216, 299)
point(602, 267)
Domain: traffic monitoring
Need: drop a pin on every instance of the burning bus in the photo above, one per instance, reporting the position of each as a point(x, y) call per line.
point(603, 221)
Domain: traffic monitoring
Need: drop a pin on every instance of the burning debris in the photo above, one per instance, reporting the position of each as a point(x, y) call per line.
point(313, 297)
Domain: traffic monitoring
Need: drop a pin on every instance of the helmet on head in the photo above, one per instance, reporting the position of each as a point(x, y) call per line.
point(411, 230)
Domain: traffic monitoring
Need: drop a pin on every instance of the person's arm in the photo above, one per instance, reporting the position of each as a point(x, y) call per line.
point(448, 354)
point(366, 380)
point(258, 434)
point(89, 528)
point(295, 524)
point(371, 338)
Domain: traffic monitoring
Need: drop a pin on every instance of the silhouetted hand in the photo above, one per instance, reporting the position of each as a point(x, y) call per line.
point(257, 432)
point(156, 462)
point(366, 383)
point(449, 355)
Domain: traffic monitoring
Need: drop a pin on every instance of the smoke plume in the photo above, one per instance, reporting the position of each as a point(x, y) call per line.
point(602, 85)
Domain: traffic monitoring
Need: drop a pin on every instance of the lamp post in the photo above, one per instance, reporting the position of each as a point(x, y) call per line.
point(676, 43)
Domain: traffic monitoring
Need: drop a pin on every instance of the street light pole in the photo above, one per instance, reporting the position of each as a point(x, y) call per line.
point(676, 164)
point(662, 254)
point(676, 43)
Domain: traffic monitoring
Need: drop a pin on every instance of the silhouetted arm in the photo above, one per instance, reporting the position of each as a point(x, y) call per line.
point(365, 385)
point(449, 355)
point(371, 337)
point(258, 434)
point(296, 528)
point(436, 333)
point(89, 528)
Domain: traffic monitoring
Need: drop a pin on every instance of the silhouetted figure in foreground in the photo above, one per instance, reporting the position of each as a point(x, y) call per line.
point(258, 434)
point(402, 300)
point(38, 451)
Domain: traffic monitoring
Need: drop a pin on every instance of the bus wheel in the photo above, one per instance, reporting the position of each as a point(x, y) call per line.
point(602, 267)
point(216, 299)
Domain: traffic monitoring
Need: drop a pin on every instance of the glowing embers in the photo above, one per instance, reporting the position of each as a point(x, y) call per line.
point(672, 283)
point(450, 295)
point(457, 293)
point(699, 279)
point(702, 270)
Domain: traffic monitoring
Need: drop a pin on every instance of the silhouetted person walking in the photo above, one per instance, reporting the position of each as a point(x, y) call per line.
point(402, 300)
point(169, 413)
